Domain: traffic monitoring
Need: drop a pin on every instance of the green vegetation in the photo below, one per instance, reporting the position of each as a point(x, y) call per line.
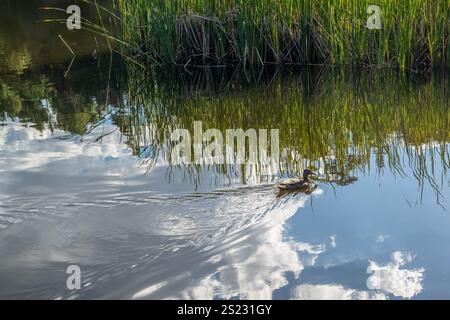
point(414, 34)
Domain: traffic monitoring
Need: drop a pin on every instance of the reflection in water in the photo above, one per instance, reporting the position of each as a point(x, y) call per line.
point(128, 234)
point(333, 292)
point(128, 231)
point(383, 281)
point(238, 233)
point(27, 152)
point(254, 259)
point(328, 120)
point(393, 280)
point(403, 119)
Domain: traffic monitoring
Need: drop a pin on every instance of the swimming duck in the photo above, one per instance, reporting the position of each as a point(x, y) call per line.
point(297, 184)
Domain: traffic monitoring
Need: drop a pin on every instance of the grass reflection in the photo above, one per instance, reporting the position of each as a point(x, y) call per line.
point(328, 119)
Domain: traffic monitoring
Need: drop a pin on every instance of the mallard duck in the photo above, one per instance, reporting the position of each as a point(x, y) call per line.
point(297, 184)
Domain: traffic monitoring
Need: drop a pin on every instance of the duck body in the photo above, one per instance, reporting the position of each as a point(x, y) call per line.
point(297, 184)
point(294, 184)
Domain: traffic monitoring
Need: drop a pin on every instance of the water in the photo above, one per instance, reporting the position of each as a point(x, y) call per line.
point(85, 179)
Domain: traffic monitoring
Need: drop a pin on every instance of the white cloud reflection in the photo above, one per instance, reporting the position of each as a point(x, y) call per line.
point(239, 240)
point(256, 267)
point(333, 292)
point(26, 148)
point(384, 280)
point(391, 279)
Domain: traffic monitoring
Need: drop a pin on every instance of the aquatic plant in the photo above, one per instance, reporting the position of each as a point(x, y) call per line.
point(414, 33)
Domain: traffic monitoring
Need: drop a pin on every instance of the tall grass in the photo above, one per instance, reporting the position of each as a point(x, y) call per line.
point(414, 32)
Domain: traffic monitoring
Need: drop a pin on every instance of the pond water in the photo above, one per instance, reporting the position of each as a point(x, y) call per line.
point(86, 178)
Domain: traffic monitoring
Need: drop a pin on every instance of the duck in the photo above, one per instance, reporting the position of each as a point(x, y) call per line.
point(297, 184)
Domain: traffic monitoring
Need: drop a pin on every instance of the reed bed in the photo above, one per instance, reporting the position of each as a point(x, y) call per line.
point(415, 33)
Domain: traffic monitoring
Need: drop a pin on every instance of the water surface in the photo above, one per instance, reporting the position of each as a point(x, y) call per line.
point(86, 179)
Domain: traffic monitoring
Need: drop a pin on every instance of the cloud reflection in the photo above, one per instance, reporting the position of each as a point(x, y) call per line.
point(333, 292)
point(24, 148)
point(391, 279)
point(255, 268)
point(236, 245)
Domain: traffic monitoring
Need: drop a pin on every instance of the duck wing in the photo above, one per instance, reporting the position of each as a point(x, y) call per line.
point(290, 183)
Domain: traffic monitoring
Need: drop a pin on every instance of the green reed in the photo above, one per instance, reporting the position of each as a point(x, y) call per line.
point(414, 32)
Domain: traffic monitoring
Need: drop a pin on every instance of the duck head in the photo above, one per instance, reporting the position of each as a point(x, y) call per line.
point(306, 174)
